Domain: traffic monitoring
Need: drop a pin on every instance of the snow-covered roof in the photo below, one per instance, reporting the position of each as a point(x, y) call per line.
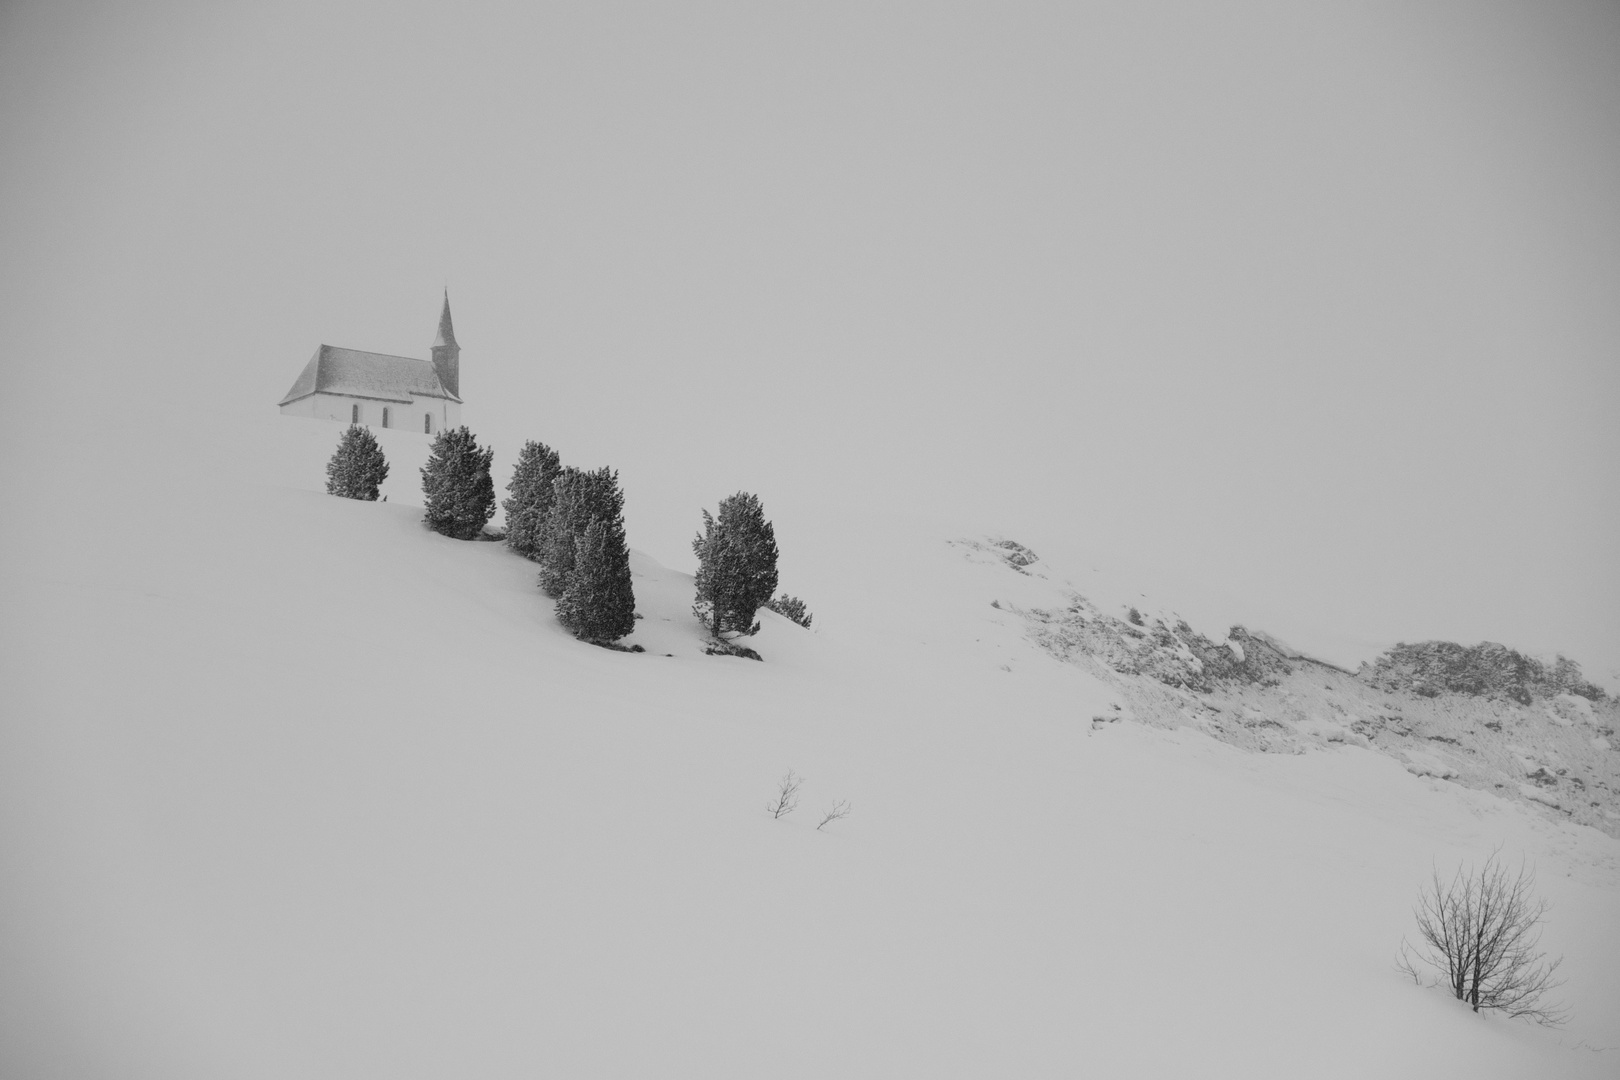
point(369, 375)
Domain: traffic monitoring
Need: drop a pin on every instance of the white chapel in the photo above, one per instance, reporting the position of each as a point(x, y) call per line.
point(378, 390)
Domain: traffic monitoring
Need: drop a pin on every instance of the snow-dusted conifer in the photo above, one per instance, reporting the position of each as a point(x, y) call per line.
point(357, 468)
point(599, 603)
point(456, 485)
point(791, 607)
point(530, 496)
point(578, 497)
point(736, 565)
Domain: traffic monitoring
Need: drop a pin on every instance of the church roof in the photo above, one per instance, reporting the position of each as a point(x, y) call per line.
point(370, 375)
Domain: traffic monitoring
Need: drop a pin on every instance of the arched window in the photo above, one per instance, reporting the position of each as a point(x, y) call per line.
point(385, 416)
point(354, 413)
point(427, 423)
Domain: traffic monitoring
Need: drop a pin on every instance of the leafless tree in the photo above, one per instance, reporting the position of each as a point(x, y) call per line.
point(1481, 931)
point(787, 795)
point(840, 809)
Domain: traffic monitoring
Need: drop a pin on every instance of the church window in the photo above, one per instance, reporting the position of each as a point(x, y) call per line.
point(427, 423)
point(385, 416)
point(354, 414)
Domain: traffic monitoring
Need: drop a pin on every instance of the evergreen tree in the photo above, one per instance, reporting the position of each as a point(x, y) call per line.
point(531, 496)
point(357, 468)
point(599, 603)
point(456, 485)
point(577, 498)
point(791, 607)
point(736, 565)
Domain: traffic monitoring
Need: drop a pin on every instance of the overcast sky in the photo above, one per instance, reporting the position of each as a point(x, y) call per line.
point(1317, 305)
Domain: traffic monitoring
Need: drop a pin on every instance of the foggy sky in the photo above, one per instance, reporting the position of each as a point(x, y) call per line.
point(1315, 305)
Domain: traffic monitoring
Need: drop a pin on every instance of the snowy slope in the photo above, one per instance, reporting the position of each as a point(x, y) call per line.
point(294, 788)
point(1555, 753)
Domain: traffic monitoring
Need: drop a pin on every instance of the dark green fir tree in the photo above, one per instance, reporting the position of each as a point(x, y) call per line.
point(599, 603)
point(578, 498)
point(456, 485)
point(736, 565)
point(529, 498)
point(791, 607)
point(357, 468)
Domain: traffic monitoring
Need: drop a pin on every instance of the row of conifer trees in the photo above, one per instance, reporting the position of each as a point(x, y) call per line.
point(571, 522)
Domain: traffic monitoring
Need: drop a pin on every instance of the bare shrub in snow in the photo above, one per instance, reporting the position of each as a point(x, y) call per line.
point(787, 795)
point(840, 809)
point(1481, 931)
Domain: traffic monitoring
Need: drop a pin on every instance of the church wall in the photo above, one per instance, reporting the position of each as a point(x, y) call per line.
point(401, 416)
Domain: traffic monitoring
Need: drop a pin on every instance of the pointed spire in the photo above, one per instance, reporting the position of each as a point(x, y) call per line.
point(446, 353)
point(447, 333)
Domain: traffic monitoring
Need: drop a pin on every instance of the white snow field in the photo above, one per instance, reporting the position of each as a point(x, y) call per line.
point(293, 788)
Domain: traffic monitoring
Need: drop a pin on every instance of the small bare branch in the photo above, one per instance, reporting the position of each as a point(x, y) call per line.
point(840, 809)
point(1407, 964)
point(787, 795)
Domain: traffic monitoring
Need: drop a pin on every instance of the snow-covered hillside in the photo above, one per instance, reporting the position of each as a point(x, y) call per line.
point(295, 788)
point(1553, 750)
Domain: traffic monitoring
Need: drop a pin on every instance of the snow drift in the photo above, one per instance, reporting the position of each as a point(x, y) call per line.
point(293, 787)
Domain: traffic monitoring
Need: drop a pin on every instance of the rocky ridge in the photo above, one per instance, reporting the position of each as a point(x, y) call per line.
point(1489, 670)
point(1483, 716)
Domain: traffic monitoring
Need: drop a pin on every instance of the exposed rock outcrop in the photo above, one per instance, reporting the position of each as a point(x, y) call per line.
point(1490, 670)
point(1483, 716)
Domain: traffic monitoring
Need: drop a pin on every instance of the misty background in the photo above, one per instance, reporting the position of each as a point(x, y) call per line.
point(1312, 311)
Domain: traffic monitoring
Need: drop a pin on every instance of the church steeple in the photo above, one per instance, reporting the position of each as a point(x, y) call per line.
point(446, 353)
point(447, 333)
